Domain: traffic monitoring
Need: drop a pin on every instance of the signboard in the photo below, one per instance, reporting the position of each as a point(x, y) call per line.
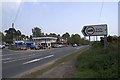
point(95, 30)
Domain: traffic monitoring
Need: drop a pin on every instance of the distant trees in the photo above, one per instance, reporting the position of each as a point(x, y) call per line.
point(12, 33)
point(2, 37)
point(75, 39)
point(67, 35)
point(52, 35)
point(109, 39)
point(36, 32)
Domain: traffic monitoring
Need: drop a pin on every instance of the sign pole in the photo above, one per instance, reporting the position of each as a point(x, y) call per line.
point(89, 43)
point(105, 41)
point(96, 38)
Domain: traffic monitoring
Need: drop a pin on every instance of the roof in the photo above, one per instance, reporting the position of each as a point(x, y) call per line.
point(44, 38)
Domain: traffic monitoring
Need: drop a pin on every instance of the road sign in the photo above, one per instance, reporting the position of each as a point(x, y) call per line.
point(95, 30)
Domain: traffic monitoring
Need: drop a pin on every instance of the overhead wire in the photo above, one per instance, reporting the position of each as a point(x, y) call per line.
point(100, 14)
point(101, 11)
point(18, 11)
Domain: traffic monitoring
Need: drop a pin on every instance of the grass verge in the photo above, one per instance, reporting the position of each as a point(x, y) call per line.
point(41, 71)
point(13, 48)
point(98, 63)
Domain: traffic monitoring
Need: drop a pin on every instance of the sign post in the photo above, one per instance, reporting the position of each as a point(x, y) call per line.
point(96, 30)
point(105, 41)
point(89, 43)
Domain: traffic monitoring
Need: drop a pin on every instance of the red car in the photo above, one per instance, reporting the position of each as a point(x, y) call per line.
point(42, 47)
point(23, 48)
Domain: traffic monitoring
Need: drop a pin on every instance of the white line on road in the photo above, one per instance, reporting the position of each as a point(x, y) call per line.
point(5, 59)
point(38, 59)
point(29, 56)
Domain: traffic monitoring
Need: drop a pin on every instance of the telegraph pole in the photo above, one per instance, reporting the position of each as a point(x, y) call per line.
point(12, 25)
point(12, 28)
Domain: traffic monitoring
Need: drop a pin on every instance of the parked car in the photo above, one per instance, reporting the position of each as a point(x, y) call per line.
point(11, 45)
point(42, 47)
point(34, 47)
point(18, 46)
point(60, 46)
point(23, 47)
point(7, 44)
point(2, 46)
point(74, 45)
point(55, 46)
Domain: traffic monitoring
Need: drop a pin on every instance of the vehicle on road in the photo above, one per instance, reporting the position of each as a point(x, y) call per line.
point(7, 44)
point(11, 45)
point(74, 45)
point(60, 46)
point(34, 47)
point(55, 46)
point(2, 46)
point(42, 47)
point(23, 47)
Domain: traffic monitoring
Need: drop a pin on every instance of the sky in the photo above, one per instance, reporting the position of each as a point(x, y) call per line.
point(59, 17)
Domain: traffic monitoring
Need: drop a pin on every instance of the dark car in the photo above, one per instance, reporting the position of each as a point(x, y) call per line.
point(34, 47)
point(42, 47)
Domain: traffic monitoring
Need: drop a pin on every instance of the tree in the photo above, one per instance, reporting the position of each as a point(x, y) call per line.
point(10, 33)
point(22, 36)
point(36, 32)
point(30, 36)
point(2, 37)
point(52, 35)
point(75, 39)
point(83, 41)
point(18, 33)
point(67, 35)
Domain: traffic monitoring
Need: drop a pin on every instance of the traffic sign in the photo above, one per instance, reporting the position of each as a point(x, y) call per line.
point(95, 30)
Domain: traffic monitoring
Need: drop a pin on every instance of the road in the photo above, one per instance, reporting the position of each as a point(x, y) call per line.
point(18, 62)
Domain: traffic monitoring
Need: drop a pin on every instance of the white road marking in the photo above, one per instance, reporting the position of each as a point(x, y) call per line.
point(38, 59)
point(29, 56)
point(5, 59)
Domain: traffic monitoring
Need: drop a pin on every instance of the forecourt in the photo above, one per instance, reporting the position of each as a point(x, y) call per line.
point(18, 62)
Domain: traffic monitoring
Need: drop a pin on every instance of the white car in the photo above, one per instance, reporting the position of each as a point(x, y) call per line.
point(74, 45)
point(2, 46)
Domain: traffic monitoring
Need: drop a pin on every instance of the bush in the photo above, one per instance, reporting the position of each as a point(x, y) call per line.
point(98, 63)
point(13, 48)
point(9, 41)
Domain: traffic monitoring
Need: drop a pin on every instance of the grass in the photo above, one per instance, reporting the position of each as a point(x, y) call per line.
point(98, 63)
point(41, 71)
point(13, 48)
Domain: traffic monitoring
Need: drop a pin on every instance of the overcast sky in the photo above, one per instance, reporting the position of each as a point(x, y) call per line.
point(59, 17)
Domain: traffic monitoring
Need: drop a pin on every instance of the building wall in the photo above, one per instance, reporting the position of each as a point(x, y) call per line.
point(53, 41)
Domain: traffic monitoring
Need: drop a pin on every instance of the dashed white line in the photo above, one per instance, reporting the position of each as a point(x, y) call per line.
point(38, 59)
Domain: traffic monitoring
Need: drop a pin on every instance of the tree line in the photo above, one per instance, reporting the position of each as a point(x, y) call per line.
point(13, 34)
